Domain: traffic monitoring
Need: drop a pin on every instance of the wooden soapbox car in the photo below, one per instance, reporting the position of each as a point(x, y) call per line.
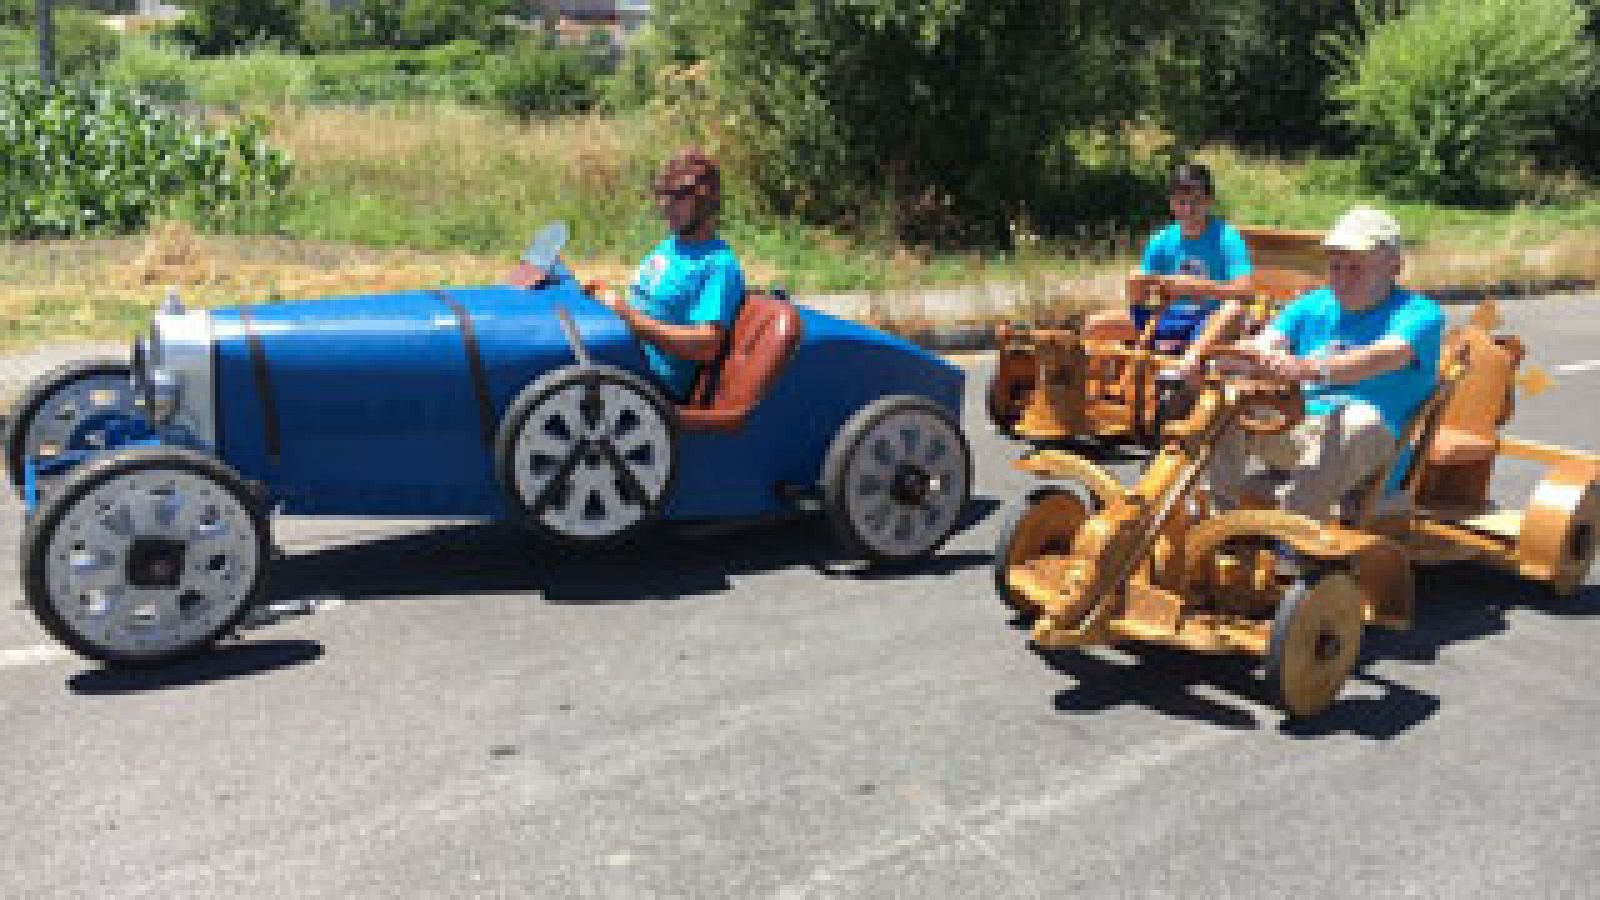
point(1064, 382)
point(1097, 563)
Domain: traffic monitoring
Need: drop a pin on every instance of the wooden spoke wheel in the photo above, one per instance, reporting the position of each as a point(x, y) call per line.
point(1316, 641)
point(1044, 523)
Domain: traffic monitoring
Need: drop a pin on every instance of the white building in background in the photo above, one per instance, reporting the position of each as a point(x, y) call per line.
point(156, 9)
point(621, 18)
point(146, 14)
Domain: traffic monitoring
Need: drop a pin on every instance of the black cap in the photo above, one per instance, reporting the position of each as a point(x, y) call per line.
point(1193, 175)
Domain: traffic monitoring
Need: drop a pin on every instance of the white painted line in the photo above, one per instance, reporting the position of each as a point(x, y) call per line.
point(32, 655)
point(1585, 366)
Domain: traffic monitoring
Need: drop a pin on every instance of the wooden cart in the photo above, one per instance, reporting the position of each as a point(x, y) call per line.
point(1064, 383)
point(1098, 563)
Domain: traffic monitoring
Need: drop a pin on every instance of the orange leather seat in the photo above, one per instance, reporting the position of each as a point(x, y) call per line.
point(765, 334)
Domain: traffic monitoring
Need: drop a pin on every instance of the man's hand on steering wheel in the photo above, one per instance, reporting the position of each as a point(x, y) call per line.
point(1289, 368)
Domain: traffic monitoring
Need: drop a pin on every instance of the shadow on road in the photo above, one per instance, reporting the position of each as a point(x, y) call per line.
point(1456, 604)
point(671, 563)
point(221, 664)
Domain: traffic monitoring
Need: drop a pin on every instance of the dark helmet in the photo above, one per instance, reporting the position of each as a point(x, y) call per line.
point(695, 173)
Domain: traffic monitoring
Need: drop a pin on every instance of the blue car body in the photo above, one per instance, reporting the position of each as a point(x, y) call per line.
point(371, 406)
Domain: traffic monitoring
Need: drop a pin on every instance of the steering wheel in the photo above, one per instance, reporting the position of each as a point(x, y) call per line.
point(1265, 404)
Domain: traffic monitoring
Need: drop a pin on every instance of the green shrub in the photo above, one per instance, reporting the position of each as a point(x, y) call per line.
point(412, 24)
point(1448, 94)
point(456, 72)
point(1573, 138)
point(1252, 72)
point(535, 78)
point(938, 116)
point(79, 160)
point(219, 27)
point(82, 42)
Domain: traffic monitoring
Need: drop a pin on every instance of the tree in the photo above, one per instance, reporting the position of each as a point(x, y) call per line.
point(414, 24)
point(1448, 94)
point(217, 27)
point(949, 117)
point(1254, 72)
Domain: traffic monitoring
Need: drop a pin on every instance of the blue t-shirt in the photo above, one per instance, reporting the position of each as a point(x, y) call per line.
point(686, 283)
point(1219, 254)
point(1317, 326)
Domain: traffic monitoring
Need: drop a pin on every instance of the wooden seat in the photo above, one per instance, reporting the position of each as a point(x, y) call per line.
point(1455, 447)
point(765, 334)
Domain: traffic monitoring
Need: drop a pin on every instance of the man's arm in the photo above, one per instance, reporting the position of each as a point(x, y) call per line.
point(696, 343)
point(701, 340)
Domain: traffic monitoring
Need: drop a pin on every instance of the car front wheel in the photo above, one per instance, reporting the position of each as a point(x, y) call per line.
point(145, 557)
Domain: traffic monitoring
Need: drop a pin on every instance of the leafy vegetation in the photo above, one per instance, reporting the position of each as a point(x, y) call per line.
point(77, 160)
point(946, 123)
point(1447, 95)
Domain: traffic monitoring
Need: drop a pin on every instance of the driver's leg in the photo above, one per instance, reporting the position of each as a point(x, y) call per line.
point(1340, 451)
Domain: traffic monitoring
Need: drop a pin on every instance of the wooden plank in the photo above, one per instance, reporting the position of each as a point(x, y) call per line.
point(1549, 454)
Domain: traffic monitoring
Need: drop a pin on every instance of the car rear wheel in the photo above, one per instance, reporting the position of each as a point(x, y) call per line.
point(587, 456)
point(61, 409)
point(145, 557)
point(897, 479)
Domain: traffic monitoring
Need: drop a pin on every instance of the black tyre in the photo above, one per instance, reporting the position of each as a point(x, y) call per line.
point(897, 479)
point(146, 557)
point(51, 408)
point(588, 457)
point(1043, 522)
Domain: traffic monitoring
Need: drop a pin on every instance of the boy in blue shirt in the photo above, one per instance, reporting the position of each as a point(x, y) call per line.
point(1198, 248)
point(687, 291)
point(1367, 351)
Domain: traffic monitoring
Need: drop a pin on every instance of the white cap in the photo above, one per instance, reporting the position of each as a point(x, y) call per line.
point(1363, 228)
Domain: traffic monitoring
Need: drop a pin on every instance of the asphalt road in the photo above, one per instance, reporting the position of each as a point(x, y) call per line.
point(729, 715)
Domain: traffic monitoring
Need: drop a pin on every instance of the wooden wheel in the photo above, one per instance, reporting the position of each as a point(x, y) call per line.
point(1043, 524)
point(1015, 376)
point(1316, 640)
point(1561, 530)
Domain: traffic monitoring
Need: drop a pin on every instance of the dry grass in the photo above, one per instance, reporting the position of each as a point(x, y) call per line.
point(63, 289)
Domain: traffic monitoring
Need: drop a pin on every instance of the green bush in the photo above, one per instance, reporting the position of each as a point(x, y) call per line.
point(535, 78)
point(80, 160)
point(217, 27)
point(1573, 137)
point(410, 24)
point(1449, 93)
point(456, 72)
point(938, 117)
point(1253, 73)
point(82, 42)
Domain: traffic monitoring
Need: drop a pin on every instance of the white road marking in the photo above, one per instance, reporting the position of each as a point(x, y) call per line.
point(1585, 366)
point(32, 655)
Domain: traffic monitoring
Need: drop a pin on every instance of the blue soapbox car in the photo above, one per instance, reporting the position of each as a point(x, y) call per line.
point(149, 484)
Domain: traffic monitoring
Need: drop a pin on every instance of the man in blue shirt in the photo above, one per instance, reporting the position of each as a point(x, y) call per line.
point(1367, 352)
point(1199, 249)
point(687, 291)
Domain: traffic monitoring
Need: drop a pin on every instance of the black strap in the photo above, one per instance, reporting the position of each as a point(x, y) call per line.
point(269, 404)
point(480, 376)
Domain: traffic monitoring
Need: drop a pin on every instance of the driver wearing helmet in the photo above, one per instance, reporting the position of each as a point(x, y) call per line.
point(687, 291)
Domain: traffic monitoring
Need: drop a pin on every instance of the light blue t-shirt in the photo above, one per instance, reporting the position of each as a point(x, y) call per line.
point(686, 283)
point(1219, 254)
point(1317, 326)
